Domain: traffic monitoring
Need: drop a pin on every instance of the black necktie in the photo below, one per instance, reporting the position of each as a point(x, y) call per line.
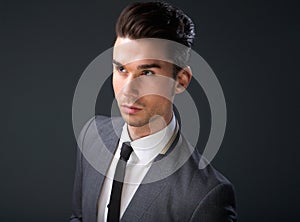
point(116, 192)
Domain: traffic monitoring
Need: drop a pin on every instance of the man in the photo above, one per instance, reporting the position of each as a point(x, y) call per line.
point(140, 167)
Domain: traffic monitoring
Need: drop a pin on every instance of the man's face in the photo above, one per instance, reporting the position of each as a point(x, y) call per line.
point(143, 85)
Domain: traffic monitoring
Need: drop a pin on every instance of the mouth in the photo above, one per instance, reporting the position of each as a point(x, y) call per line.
point(129, 109)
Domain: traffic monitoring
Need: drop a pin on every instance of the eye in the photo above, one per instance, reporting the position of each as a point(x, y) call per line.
point(121, 69)
point(148, 73)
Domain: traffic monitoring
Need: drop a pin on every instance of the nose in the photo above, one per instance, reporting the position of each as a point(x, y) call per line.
point(131, 87)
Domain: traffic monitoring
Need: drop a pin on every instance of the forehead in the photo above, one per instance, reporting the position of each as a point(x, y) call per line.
point(145, 64)
point(128, 50)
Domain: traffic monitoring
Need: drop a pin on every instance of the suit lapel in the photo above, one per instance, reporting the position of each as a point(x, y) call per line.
point(110, 135)
point(158, 180)
point(144, 197)
point(100, 153)
point(153, 184)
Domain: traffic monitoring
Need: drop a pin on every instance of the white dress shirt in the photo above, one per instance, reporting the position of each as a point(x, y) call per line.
point(144, 152)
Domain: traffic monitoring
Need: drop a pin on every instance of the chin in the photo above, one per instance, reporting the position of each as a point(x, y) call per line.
point(136, 123)
point(131, 121)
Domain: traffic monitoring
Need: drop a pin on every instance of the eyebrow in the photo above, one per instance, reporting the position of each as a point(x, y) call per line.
point(117, 63)
point(143, 66)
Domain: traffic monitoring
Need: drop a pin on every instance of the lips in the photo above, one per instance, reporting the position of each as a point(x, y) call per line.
point(129, 109)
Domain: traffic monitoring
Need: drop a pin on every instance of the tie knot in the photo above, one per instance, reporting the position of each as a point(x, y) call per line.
point(126, 150)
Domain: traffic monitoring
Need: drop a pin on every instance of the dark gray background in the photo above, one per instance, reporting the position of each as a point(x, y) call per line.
point(45, 47)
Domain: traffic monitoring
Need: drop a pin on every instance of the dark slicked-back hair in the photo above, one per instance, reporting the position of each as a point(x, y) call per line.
point(155, 20)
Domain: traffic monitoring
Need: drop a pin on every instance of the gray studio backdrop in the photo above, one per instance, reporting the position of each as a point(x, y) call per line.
point(46, 46)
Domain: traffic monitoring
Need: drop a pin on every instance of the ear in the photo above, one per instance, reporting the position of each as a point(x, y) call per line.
point(183, 79)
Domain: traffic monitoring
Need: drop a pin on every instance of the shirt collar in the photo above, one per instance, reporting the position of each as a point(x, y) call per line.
point(148, 147)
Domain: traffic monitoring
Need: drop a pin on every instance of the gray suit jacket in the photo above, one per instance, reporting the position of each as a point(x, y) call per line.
point(174, 189)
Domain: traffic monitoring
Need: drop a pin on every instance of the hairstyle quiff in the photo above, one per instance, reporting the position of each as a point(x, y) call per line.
point(155, 20)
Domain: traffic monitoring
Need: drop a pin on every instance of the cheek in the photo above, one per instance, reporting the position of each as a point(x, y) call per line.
point(117, 85)
point(160, 86)
point(156, 102)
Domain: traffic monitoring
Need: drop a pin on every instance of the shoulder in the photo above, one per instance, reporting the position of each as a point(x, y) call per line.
point(101, 122)
point(99, 125)
point(199, 167)
point(212, 193)
point(196, 174)
point(195, 191)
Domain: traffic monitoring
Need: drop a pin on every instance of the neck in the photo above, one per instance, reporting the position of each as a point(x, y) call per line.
point(156, 124)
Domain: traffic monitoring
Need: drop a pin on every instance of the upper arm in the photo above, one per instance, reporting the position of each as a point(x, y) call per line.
point(77, 188)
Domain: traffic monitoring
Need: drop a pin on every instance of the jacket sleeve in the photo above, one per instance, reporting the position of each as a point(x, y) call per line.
point(77, 188)
point(218, 205)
